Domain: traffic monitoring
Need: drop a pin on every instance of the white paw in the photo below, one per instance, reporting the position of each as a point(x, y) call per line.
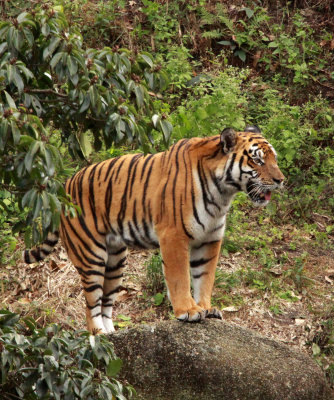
point(108, 324)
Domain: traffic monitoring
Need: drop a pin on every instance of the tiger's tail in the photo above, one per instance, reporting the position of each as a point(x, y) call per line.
point(40, 252)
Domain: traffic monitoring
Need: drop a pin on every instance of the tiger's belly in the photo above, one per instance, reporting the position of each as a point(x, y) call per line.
point(135, 236)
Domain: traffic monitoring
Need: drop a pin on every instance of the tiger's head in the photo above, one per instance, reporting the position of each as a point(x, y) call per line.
point(252, 166)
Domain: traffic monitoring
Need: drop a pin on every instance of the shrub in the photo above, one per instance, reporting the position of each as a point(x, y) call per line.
point(51, 363)
point(49, 80)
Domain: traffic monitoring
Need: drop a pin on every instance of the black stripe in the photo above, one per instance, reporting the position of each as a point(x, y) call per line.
point(176, 165)
point(111, 268)
point(89, 234)
point(146, 184)
point(116, 290)
point(98, 304)
point(201, 261)
point(110, 166)
point(216, 182)
point(137, 157)
point(205, 189)
point(104, 315)
point(199, 275)
point(119, 168)
point(217, 228)
point(205, 244)
point(36, 254)
point(79, 188)
point(147, 159)
point(92, 288)
point(86, 246)
point(91, 198)
point(117, 252)
point(182, 222)
point(121, 214)
point(75, 251)
point(215, 154)
point(109, 278)
point(137, 241)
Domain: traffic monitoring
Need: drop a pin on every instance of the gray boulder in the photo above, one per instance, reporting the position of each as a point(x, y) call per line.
point(214, 360)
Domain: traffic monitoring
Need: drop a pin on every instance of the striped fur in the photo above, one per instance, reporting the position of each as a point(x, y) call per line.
point(176, 200)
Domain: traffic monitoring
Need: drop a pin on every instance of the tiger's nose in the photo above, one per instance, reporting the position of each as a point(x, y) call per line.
point(278, 181)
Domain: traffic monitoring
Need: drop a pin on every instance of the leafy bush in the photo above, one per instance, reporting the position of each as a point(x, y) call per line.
point(215, 102)
point(51, 363)
point(49, 80)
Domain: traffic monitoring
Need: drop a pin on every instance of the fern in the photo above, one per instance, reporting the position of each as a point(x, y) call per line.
point(213, 34)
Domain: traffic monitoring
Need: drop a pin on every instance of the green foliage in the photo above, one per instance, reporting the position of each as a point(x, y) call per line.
point(217, 102)
point(51, 363)
point(155, 278)
point(48, 79)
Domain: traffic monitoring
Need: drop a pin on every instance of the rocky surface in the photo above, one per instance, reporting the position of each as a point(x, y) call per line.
point(215, 360)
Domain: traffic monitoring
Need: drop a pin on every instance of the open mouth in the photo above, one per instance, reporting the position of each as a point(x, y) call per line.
point(257, 193)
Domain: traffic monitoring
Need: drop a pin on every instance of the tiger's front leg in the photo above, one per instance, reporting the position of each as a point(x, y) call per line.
point(175, 254)
point(203, 263)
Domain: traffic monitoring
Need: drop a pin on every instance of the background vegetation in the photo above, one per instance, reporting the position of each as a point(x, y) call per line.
point(85, 80)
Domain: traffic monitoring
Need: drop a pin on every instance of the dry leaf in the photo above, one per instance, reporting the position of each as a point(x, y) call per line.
point(299, 321)
point(54, 266)
point(24, 300)
point(231, 309)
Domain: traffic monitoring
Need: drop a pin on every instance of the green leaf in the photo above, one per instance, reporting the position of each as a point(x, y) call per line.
point(45, 29)
point(272, 44)
point(50, 166)
point(85, 143)
point(55, 59)
point(29, 198)
point(37, 105)
point(10, 101)
point(241, 54)
point(3, 133)
point(139, 95)
point(158, 298)
point(72, 65)
point(85, 104)
point(147, 59)
point(29, 36)
point(225, 42)
point(114, 367)
point(93, 95)
point(29, 158)
point(3, 47)
point(54, 42)
point(15, 132)
point(37, 208)
point(166, 128)
point(248, 11)
point(18, 80)
point(316, 349)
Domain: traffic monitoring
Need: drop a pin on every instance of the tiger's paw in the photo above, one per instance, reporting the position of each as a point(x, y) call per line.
point(192, 315)
point(214, 313)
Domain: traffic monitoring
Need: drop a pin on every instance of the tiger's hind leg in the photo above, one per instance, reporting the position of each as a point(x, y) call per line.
point(89, 255)
point(112, 282)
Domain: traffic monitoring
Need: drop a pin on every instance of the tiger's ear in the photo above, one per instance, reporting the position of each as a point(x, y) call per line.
point(228, 140)
point(252, 128)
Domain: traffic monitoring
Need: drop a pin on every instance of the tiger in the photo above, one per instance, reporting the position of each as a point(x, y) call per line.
point(176, 200)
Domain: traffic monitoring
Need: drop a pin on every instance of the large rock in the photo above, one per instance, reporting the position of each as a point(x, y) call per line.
point(214, 360)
